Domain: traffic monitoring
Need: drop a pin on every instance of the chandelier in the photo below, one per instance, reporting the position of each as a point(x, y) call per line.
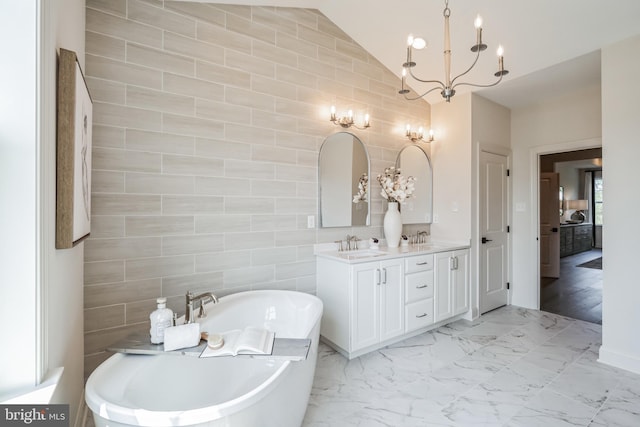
point(448, 87)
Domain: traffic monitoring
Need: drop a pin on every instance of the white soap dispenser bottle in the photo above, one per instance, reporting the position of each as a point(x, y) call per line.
point(161, 319)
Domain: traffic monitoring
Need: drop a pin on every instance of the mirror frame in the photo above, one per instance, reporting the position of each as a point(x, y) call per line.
point(398, 165)
point(366, 152)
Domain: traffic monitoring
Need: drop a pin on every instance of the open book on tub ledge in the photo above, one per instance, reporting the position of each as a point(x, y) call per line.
point(250, 340)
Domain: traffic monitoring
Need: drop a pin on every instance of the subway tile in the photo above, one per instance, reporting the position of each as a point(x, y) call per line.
point(104, 317)
point(116, 7)
point(249, 240)
point(222, 261)
point(193, 48)
point(326, 26)
point(158, 225)
point(352, 79)
point(107, 226)
point(307, 189)
point(297, 205)
point(306, 284)
point(109, 69)
point(159, 101)
point(124, 204)
point(240, 10)
point(118, 115)
point(159, 267)
point(367, 69)
point(200, 11)
point(273, 87)
point(315, 96)
point(222, 75)
point(333, 85)
point(268, 120)
point(107, 136)
point(367, 96)
point(295, 270)
point(194, 126)
point(189, 86)
point(263, 188)
point(297, 77)
point(92, 361)
point(300, 16)
point(252, 64)
point(306, 253)
point(352, 50)
point(223, 186)
point(295, 238)
point(254, 205)
point(247, 169)
point(101, 45)
point(201, 243)
point(139, 311)
point(339, 60)
point(314, 127)
point(297, 141)
point(160, 60)
point(98, 341)
point(218, 35)
point(190, 165)
point(307, 158)
point(125, 160)
point(196, 283)
point(251, 29)
point(122, 28)
point(268, 17)
point(319, 68)
point(158, 142)
point(274, 53)
point(222, 223)
point(384, 89)
point(106, 90)
point(265, 153)
point(162, 18)
point(121, 248)
point(107, 181)
point(103, 272)
point(253, 135)
point(273, 222)
point(316, 37)
point(222, 111)
point(296, 108)
point(238, 96)
point(198, 205)
point(247, 276)
point(270, 256)
point(222, 149)
point(296, 173)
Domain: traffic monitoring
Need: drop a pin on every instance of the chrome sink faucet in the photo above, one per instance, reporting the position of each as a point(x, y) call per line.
point(192, 299)
point(351, 239)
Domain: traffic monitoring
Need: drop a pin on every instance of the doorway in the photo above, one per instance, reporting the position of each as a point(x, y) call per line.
point(574, 289)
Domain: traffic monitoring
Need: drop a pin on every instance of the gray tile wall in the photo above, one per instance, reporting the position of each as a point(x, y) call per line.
point(208, 120)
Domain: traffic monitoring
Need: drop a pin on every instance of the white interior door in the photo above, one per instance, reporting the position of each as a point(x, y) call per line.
point(494, 247)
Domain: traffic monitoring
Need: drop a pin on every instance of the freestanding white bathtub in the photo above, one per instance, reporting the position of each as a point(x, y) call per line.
point(169, 390)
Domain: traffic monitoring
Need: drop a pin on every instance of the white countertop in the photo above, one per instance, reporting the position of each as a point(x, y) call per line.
point(367, 254)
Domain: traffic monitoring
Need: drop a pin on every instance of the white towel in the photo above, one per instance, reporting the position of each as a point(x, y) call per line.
point(182, 336)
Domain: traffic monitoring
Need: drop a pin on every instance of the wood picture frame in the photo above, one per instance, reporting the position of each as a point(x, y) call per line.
point(73, 153)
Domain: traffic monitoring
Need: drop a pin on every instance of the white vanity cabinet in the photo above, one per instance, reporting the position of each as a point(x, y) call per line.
point(363, 302)
point(374, 299)
point(452, 284)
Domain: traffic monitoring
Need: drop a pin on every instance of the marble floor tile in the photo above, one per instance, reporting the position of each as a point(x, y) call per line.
point(510, 367)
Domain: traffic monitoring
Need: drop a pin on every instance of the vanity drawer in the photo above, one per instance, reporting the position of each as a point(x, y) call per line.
point(418, 263)
point(418, 286)
point(418, 314)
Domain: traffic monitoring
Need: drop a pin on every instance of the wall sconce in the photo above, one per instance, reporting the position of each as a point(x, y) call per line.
point(418, 135)
point(347, 121)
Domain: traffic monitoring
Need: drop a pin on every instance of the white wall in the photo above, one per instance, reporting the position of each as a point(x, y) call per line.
point(41, 300)
point(451, 160)
point(620, 151)
point(561, 124)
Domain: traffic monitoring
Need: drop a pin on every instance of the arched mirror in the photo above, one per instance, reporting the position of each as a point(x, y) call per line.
point(414, 161)
point(343, 172)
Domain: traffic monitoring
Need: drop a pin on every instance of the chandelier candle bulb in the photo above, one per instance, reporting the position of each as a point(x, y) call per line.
point(366, 120)
point(333, 113)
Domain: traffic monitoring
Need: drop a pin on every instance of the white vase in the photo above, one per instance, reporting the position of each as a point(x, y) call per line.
point(392, 225)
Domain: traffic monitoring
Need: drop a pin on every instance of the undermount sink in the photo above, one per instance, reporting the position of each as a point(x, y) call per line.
point(362, 253)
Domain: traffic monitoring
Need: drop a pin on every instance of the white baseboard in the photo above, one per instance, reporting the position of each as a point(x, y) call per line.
point(619, 360)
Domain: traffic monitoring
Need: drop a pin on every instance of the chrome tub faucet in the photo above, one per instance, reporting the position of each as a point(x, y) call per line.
point(192, 300)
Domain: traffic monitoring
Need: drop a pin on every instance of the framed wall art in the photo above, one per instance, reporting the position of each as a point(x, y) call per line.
point(73, 153)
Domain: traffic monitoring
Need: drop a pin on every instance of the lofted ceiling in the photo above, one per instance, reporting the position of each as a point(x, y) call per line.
point(550, 46)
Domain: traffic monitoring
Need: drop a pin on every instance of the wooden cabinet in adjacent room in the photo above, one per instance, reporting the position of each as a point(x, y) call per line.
point(575, 238)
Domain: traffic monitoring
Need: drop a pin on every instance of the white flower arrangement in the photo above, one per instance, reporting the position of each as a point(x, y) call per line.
point(395, 187)
point(363, 188)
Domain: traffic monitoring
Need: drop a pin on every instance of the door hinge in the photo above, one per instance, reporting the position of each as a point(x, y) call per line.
point(508, 229)
point(508, 172)
point(508, 285)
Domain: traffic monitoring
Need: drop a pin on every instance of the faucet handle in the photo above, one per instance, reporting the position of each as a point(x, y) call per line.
point(339, 243)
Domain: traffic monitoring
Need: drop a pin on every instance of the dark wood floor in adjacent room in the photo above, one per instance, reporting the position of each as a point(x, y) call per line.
point(578, 291)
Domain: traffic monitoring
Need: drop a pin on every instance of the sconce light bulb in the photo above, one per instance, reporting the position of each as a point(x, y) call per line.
point(408, 129)
point(366, 120)
point(420, 131)
point(431, 132)
point(350, 114)
point(333, 110)
point(478, 22)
